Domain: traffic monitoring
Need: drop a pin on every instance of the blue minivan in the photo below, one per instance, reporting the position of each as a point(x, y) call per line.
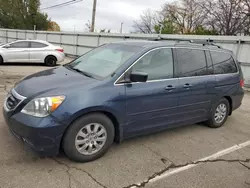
point(122, 90)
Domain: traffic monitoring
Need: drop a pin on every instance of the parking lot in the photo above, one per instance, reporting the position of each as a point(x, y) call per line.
point(193, 156)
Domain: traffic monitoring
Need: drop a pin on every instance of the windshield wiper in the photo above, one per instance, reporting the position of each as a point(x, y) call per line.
point(82, 72)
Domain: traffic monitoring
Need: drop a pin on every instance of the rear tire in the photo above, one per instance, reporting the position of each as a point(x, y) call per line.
point(88, 138)
point(219, 114)
point(50, 61)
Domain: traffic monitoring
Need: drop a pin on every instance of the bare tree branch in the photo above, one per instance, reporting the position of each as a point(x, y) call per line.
point(146, 23)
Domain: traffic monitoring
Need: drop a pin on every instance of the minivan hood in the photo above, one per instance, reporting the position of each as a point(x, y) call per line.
point(59, 78)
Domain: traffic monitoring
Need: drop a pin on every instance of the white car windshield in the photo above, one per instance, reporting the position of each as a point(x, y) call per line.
point(103, 61)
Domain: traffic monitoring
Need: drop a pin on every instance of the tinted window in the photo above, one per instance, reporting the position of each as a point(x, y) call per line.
point(38, 45)
point(223, 63)
point(158, 64)
point(19, 45)
point(191, 62)
point(103, 61)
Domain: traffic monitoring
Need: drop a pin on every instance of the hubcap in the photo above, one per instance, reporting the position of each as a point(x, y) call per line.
point(220, 113)
point(51, 61)
point(91, 139)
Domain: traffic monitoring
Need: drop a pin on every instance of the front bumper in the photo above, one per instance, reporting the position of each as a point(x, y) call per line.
point(43, 135)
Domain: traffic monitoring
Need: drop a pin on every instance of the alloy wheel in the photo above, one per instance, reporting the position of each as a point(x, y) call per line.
point(91, 139)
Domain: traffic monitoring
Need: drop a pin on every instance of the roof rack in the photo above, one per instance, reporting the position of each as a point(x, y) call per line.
point(208, 42)
point(171, 39)
point(211, 44)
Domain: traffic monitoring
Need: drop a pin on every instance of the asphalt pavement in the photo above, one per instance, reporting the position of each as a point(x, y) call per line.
point(193, 156)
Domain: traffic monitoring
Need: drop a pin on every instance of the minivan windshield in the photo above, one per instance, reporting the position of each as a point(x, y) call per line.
point(103, 61)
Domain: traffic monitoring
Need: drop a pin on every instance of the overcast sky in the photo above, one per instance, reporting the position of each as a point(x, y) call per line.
point(110, 13)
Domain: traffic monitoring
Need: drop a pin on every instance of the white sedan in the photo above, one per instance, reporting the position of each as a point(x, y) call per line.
point(35, 51)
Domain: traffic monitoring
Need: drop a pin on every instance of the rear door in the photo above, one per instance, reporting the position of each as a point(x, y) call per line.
point(226, 74)
point(17, 52)
point(38, 52)
point(196, 84)
point(152, 106)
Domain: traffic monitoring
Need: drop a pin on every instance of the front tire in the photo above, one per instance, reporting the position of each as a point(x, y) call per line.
point(1, 60)
point(88, 138)
point(50, 61)
point(219, 114)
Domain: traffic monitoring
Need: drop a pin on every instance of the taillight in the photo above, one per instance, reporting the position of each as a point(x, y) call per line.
point(241, 83)
point(60, 50)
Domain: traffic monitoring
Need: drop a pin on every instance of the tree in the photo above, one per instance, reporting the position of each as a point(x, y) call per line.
point(200, 30)
point(22, 14)
point(105, 31)
point(228, 17)
point(247, 24)
point(186, 15)
point(166, 27)
point(146, 23)
point(88, 26)
point(53, 26)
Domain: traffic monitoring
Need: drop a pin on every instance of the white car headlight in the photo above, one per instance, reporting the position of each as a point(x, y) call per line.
point(42, 107)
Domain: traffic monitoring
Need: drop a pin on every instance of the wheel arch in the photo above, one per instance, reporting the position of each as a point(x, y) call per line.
point(111, 115)
point(230, 103)
point(50, 55)
point(1, 56)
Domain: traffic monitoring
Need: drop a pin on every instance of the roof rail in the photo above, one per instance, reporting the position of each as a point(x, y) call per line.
point(211, 44)
point(170, 39)
point(208, 42)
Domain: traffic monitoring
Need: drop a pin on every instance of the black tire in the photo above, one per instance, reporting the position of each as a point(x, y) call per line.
point(69, 146)
point(211, 122)
point(1, 60)
point(50, 61)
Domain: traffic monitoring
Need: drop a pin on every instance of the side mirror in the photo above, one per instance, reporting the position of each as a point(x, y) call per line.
point(7, 46)
point(138, 77)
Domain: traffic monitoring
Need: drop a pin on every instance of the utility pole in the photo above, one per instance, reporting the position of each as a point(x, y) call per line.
point(121, 27)
point(93, 16)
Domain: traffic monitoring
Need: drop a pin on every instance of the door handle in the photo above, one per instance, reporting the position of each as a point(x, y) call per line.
point(187, 85)
point(169, 87)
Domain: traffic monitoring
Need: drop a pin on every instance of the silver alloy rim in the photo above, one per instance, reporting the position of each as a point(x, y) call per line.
point(91, 139)
point(220, 113)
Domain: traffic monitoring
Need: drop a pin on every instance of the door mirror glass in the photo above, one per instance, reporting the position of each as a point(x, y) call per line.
point(138, 77)
point(7, 46)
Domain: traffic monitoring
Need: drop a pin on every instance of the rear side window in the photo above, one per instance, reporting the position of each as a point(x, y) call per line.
point(38, 45)
point(191, 62)
point(22, 44)
point(158, 64)
point(223, 63)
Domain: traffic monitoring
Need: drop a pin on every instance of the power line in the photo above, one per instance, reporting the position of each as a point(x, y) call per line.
point(47, 3)
point(62, 4)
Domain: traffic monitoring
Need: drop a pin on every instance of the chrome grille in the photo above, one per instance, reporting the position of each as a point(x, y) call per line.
point(13, 100)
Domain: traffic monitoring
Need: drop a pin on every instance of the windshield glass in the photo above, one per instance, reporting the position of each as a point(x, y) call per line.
point(1, 44)
point(103, 61)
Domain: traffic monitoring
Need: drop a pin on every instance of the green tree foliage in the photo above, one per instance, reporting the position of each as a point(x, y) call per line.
point(200, 30)
point(22, 14)
point(105, 30)
point(167, 27)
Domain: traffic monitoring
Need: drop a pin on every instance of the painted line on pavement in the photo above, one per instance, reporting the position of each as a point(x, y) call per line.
point(211, 157)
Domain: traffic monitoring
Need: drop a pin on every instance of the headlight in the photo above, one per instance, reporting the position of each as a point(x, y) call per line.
point(42, 107)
